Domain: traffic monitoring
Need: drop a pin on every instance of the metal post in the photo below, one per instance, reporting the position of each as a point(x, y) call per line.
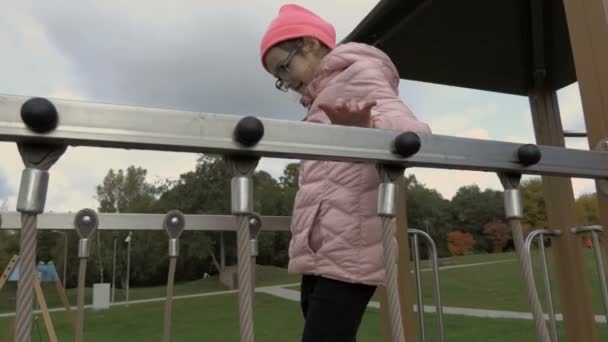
point(597, 248)
point(418, 287)
point(99, 256)
point(113, 288)
point(128, 241)
point(65, 258)
point(435, 264)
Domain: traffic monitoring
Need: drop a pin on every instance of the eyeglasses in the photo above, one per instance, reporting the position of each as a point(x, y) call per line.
point(284, 68)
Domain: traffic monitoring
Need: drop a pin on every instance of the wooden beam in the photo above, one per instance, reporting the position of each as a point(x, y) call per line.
point(8, 270)
point(574, 290)
point(46, 316)
point(66, 303)
point(588, 26)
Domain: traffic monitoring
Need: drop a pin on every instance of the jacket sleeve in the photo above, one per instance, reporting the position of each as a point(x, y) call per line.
point(369, 82)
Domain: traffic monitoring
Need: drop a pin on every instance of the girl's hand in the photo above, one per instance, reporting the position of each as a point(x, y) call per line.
point(354, 112)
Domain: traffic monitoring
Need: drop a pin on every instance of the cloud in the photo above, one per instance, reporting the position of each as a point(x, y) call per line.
point(29, 62)
point(6, 189)
point(449, 181)
point(571, 108)
point(191, 55)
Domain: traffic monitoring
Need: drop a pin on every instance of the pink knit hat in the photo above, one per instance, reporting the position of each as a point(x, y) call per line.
point(294, 22)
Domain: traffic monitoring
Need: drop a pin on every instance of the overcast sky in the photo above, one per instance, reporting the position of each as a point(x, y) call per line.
point(204, 56)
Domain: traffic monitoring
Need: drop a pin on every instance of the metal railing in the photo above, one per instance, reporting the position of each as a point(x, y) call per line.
point(433, 258)
point(539, 234)
point(599, 259)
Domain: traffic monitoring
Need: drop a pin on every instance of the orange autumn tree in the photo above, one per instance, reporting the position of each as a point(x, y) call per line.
point(460, 243)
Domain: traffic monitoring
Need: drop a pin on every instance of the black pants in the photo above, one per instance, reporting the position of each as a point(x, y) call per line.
point(332, 309)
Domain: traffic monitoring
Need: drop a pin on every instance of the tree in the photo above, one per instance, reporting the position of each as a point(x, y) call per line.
point(472, 208)
point(535, 213)
point(460, 243)
point(587, 211)
point(289, 186)
point(427, 210)
point(126, 191)
point(499, 233)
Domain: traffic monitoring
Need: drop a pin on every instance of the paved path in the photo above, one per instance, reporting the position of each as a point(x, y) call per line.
point(293, 295)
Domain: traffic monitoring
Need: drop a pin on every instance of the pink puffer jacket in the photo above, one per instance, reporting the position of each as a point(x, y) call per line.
point(336, 232)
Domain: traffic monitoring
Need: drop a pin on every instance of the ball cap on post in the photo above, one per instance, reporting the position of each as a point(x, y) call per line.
point(528, 154)
point(407, 144)
point(39, 115)
point(249, 131)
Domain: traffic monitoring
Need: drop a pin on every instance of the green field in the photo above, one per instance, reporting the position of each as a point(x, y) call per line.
point(215, 318)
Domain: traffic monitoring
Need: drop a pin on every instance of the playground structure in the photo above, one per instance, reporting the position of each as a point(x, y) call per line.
point(46, 273)
point(553, 45)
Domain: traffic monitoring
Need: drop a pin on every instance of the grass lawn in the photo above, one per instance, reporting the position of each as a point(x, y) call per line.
point(265, 276)
point(500, 286)
point(495, 286)
point(215, 319)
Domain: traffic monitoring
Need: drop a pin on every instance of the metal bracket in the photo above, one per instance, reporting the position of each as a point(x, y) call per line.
point(512, 196)
point(40, 155)
point(387, 193)
point(32, 191)
point(241, 185)
point(255, 226)
point(174, 223)
point(86, 222)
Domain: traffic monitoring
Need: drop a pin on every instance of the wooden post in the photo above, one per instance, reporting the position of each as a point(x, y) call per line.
point(66, 303)
point(3, 279)
point(588, 26)
point(46, 316)
point(9, 333)
point(574, 290)
point(8, 270)
point(406, 289)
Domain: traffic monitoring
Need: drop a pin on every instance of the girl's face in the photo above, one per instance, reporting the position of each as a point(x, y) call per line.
point(296, 66)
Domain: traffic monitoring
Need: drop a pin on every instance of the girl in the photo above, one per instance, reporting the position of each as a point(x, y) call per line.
point(336, 241)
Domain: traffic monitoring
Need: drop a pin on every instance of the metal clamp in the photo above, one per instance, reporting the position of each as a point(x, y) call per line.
point(86, 222)
point(512, 195)
point(513, 205)
point(174, 224)
point(32, 191)
point(438, 306)
point(599, 260)
point(540, 234)
point(387, 192)
point(241, 185)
